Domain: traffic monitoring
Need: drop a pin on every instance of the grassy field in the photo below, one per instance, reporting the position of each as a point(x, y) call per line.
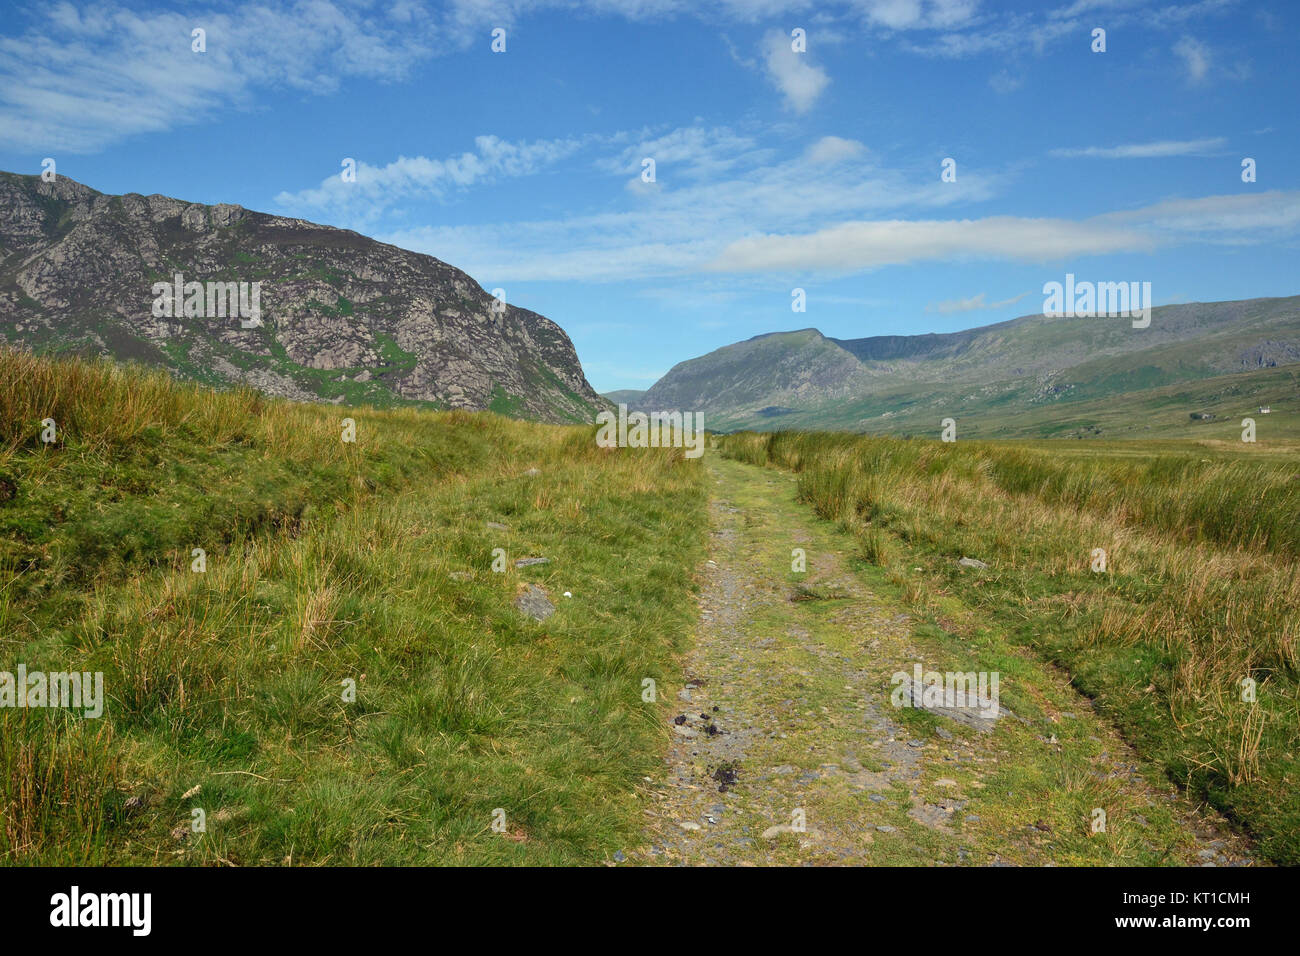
point(327, 564)
point(1132, 409)
point(478, 735)
point(1199, 593)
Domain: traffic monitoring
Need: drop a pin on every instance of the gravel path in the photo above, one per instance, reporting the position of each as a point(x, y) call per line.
point(785, 748)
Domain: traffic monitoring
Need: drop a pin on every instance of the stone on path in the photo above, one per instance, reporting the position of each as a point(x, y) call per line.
point(534, 603)
point(971, 716)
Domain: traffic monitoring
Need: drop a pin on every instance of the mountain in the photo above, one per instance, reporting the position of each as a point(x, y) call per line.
point(343, 318)
point(625, 396)
point(773, 371)
point(1018, 378)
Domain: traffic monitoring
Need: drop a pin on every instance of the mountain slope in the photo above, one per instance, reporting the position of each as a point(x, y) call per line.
point(344, 318)
point(763, 376)
point(1036, 344)
point(1013, 378)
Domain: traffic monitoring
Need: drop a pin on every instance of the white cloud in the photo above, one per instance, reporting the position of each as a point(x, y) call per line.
point(1233, 219)
point(1003, 82)
point(1080, 7)
point(1000, 32)
point(918, 14)
point(1195, 56)
point(685, 222)
point(973, 304)
point(833, 207)
point(694, 151)
point(78, 75)
point(1160, 150)
point(855, 246)
point(800, 83)
point(377, 188)
point(834, 149)
point(997, 36)
point(895, 14)
point(79, 79)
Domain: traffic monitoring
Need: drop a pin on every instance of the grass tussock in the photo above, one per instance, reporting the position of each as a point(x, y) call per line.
point(144, 470)
point(1198, 605)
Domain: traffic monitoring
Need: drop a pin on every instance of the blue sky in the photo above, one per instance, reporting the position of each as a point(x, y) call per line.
point(774, 169)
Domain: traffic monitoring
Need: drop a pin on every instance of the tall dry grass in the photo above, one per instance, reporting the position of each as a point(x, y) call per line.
point(1201, 592)
point(327, 560)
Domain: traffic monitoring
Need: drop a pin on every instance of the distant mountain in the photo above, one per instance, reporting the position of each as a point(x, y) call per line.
point(624, 396)
point(1011, 378)
point(343, 318)
point(801, 369)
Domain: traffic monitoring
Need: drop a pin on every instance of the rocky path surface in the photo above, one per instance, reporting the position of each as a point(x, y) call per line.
point(786, 748)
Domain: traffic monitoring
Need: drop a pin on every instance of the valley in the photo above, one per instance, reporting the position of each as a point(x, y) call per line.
point(684, 660)
point(1033, 377)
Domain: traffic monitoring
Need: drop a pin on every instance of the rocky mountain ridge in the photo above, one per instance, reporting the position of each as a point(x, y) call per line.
point(344, 318)
point(901, 383)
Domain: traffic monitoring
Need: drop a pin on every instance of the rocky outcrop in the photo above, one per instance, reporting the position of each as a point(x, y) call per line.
point(342, 317)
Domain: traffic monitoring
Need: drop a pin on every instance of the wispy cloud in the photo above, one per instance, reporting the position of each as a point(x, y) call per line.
point(693, 151)
point(990, 31)
point(376, 189)
point(834, 207)
point(688, 221)
point(996, 35)
point(856, 246)
point(1003, 82)
point(800, 83)
point(1159, 150)
point(80, 75)
point(1232, 219)
point(973, 304)
point(919, 14)
point(81, 78)
point(834, 149)
point(1196, 58)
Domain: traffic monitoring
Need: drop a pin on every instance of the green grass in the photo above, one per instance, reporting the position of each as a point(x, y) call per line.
point(1200, 591)
point(394, 357)
point(328, 562)
point(330, 384)
point(814, 651)
point(1127, 408)
point(503, 403)
point(370, 562)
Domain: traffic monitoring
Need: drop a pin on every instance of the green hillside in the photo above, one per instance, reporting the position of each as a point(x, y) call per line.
point(1030, 377)
point(1157, 412)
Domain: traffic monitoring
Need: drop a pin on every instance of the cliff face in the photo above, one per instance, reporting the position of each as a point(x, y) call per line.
point(343, 318)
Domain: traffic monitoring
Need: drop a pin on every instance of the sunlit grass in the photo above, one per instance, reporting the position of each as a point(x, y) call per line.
point(1200, 593)
point(329, 563)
